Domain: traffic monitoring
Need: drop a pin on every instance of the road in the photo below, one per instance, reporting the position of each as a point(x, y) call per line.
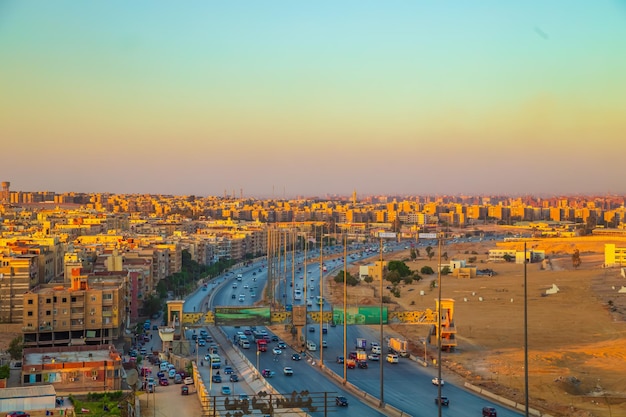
point(406, 385)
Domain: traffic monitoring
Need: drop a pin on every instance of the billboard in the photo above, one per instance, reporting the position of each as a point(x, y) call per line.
point(388, 235)
point(242, 316)
point(360, 315)
point(427, 235)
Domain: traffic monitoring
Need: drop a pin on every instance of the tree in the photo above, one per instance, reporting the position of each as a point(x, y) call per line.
point(445, 270)
point(427, 270)
point(429, 250)
point(507, 257)
point(368, 279)
point(393, 277)
point(5, 371)
point(408, 279)
point(350, 280)
point(15, 348)
point(152, 305)
point(576, 259)
point(399, 266)
point(413, 254)
point(445, 255)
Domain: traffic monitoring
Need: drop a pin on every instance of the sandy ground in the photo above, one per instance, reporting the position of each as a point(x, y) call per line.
point(576, 340)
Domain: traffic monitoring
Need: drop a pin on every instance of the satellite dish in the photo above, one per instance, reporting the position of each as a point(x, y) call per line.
point(132, 377)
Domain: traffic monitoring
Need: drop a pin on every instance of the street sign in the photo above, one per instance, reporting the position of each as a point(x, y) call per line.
point(428, 235)
point(387, 235)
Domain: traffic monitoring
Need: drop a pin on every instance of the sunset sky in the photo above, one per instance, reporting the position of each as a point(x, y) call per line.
point(314, 98)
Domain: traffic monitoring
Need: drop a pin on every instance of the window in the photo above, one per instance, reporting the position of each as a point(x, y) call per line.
point(107, 297)
point(54, 299)
point(73, 299)
point(29, 314)
point(30, 301)
point(93, 298)
point(93, 321)
point(48, 313)
point(48, 300)
point(64, 300)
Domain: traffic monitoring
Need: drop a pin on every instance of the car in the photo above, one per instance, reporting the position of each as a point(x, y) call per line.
point(339, 359)
point(362, 364)
point(18, 414)
point(155, 327)
point(341, 401)
point(254, 273)
point(151, 387)
point(234, 378)
point(373, 357)
point(444, 401)
point(324, 344)
point(437, 381)
point(178, 379)
point(311, 329)
point(161, 374)
point(489, 412)
point(233, 296)
point(392, 358)
point(247, 332)
point(276, 351)
point(228, 370)
point(244, 397)
point(163, 382)
point(274, 338)
point(296, 357)
point(324, 330)
point(188, 380)
point(282, 345)
point(171, 373)
point(184, 390)
point(246, 286)
point(194, 336)
point(287, 371)
point(216, 378)
point(225, 390)
point(267, 373)
point(201, 342)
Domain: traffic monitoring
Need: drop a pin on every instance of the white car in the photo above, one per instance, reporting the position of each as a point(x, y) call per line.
point(276, 351)
point(373, 357)
point(437, 381)
point(188, 381)
point(287, 371)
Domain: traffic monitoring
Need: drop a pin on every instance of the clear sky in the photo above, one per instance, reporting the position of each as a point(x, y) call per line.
point(314, 97)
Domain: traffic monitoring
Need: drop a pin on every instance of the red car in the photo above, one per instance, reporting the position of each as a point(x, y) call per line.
point(163, 381)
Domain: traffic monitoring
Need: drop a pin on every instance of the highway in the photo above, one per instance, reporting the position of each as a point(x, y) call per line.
point(406, 385)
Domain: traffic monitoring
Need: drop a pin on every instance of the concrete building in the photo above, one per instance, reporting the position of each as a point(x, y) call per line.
point(18, 274)
point(614, 256)
point(74, 368)
point(90, 311)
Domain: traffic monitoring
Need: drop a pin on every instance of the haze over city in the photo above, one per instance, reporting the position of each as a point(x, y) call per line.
point(313, 98)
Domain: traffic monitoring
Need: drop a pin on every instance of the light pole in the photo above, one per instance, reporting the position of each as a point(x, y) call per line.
point(257, 359)
point(425, 361)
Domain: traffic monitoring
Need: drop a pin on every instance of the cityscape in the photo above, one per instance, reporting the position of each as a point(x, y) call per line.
point(351, 208)
point(81, 271)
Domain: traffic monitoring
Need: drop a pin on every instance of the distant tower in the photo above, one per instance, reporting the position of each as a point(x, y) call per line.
point(5, 197)
point(354, 197)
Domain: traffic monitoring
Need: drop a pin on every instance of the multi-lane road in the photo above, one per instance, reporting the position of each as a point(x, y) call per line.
point(406, 385)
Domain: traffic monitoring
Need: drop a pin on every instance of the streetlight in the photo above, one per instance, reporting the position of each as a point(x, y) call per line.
point(257, 359)
point(425, 361)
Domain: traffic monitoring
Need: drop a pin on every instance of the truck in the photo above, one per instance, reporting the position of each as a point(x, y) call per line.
point(398, 346)
point(360, 343)
point(261, 345)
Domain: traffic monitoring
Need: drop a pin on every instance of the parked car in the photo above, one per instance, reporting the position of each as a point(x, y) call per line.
point(163, 382)
point(188, 380)
point(184, 390)
point(18, 414)
point(178, 379)
point(171, 373)
point(444, 401)
point(287, 371)
point(341, 401)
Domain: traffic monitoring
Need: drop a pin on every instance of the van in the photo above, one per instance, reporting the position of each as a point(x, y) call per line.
point(310, 345)
point(376, 349)
point(392, 358)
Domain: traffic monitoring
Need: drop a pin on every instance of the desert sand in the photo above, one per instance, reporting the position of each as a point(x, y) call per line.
point(576, 338)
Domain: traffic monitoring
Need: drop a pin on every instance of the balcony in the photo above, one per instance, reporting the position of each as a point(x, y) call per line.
point(107, 314)
point(29, 329)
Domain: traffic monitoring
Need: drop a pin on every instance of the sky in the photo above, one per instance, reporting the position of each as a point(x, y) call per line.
point(325, 97)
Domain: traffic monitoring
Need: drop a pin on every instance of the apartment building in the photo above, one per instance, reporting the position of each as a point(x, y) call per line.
point(18, 274)
point(91, 310)
point(614, 256)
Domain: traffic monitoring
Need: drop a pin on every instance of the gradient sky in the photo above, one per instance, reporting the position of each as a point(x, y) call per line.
point(314, 98)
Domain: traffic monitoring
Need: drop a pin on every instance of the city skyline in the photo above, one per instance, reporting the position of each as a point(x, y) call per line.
point(286, 99)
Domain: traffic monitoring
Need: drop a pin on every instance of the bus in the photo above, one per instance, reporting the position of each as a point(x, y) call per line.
point(215, 360)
